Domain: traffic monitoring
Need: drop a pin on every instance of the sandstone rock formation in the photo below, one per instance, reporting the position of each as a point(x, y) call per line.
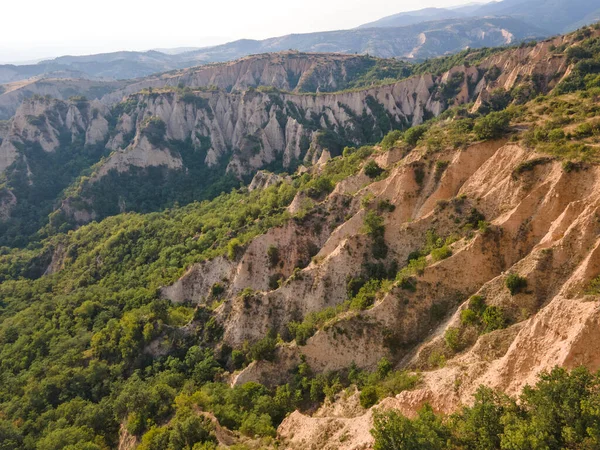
point(544, 225)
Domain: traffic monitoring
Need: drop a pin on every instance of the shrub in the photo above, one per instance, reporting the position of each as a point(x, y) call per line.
point(258, 425)
point(492, 126)
point(594, 287)
point(366, 295)
point(368, 396)
point(468, 317)
point(319, 187)
point(348, 151)
point(154, 128)
point(238, 359)
point(301, 331)
point(453, 340)
point(384, 367)
point(234, 248)
point(515, 283)
point(556, 135)
point(440, 167)
point(392, 431)
point(493, 319)
point(441, 253)
point(390, 139)
point(217, 289)
point(273, 256)
point(385, 205)
point(477, 304)
point(373, 226)
point(275, 281)
point(529, 165)
point(413, 135)
point(372, 169)
point(559, 412)
point(419, 175)
point(499, 99)
point(264, 350)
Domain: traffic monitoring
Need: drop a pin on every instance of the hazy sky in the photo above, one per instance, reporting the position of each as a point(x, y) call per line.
point(33, 29)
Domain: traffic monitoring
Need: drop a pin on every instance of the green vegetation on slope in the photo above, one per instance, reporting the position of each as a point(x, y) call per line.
point(77, 340)
point(561, 411)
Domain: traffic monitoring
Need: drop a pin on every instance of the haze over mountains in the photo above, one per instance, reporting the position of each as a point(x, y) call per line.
point(553, 16)
point(413, 35)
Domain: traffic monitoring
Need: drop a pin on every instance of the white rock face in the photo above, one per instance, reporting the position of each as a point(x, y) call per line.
point(43, 120)
point(288, 71)
point(140, 154)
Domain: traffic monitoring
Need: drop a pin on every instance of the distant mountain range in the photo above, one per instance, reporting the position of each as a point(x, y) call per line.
point(414, 41)
point(554, 16)
point(414, 35)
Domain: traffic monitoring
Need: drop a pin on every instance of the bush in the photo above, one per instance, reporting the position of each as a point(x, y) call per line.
point(440, 168)
point(438, 254)
point(515, 283)
point(390, 139)
point(492, 126)
point(468, 317)
point(258, 425)
point(216, 290)
point(385, 205)
point(559, 412)
point(477, 304)
point(368, 396)
point(413, 135)
point(273, 256)
point(154, 128)
point(392, 431)
point(234, 248)
point(373, 224)
point(238, 359)
point(493, 319)
point(264, 350)
point(366, 295)
point(556, 135)
point(453, 339)
point(594, 287)
point(372, 169)
point(384, 367)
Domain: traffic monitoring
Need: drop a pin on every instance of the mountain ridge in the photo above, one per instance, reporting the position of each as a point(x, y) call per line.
point(382, 43)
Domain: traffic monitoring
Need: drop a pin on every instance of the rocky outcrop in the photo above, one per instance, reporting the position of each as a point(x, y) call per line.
point(287, 71)
point(47, 122)
point(61, 88)
point(546, 230)
point(264, 179)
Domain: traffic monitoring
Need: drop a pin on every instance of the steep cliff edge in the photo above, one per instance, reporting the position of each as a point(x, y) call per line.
point(287, 71)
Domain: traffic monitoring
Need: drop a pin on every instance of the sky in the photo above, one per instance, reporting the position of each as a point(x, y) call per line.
point(34, 29)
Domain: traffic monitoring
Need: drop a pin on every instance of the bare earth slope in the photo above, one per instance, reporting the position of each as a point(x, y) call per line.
point(544, 226)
